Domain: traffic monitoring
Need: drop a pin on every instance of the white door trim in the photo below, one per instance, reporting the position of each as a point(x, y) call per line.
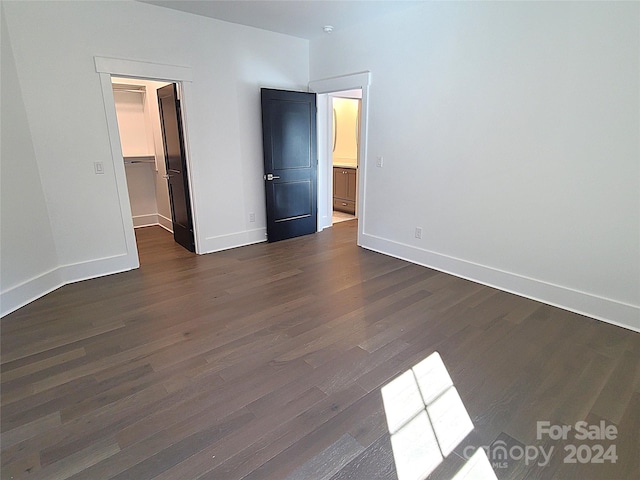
point(119, 171)
point(359, 80)
point(134, 68)
point(106, 67)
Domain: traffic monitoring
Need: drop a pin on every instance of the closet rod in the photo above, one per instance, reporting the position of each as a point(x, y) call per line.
point(115, 90)
point(139, 159)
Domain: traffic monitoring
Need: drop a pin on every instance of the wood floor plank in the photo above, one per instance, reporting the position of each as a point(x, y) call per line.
point(185, 448)
point(216, 453)
point(78, 462)
point(375, 463)
point(346, 417)
point(621, 385)
point(31, 429)
point(267, 362)
point(247, 461)
point(38, 366)
point(39, 346)
point(330, 461)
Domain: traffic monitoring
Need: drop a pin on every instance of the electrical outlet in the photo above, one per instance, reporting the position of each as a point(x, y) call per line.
point(379, 162)
point(418, 232)
point(252, 217)
point(98, 167)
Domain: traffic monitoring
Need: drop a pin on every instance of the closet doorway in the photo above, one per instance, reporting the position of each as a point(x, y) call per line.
point(151, 139)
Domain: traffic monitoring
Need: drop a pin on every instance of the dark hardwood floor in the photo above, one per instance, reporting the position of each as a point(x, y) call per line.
point(267, 362)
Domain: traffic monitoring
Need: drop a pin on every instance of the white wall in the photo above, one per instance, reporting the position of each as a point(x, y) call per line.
point(510, 134)
point(53, 42)
point(132, 123)
point(27, 250)
point(136, 140)
point(345, 125)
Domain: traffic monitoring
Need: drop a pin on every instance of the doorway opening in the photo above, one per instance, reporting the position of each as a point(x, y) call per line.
point(150, 131)
point(345, 139)
point(106, 67)
point(142, 151)
point(356, 86)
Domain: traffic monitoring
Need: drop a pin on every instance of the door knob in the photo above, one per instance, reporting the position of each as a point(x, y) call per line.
point(270, 176)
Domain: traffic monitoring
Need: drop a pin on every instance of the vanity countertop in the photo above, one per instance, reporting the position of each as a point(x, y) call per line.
point(344, 165)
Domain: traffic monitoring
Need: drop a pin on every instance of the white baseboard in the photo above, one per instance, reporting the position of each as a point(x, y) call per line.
point(165, 223)
point(28, 291)
point(233, 240)
point(140, 221)
point(605, 309)
point(20, 295)
point(98, 268)
point(152, 220)
point(325, 221)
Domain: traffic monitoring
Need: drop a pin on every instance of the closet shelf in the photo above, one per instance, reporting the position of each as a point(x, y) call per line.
point(140, 159)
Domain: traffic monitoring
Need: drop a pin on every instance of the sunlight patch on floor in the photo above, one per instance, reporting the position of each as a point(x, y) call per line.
point(427, 420)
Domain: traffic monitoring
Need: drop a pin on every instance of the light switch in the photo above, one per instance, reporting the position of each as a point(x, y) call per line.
point(379, 161)
point(99, 168)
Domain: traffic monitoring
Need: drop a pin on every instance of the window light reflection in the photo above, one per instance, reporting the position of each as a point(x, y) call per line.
point(427, 420)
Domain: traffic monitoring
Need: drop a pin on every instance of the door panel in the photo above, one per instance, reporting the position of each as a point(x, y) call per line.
point(290, 162)
point(176, 162)
point(290, 135)
point(292, 200)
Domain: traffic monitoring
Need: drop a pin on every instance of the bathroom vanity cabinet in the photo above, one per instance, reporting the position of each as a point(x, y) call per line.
point(344, 189)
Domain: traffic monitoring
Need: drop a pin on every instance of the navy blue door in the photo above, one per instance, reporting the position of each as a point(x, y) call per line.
point(176, 162)
point(290, 162)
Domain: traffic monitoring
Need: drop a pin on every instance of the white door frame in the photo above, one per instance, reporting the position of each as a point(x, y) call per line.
point(323, 88)
point(106, 67)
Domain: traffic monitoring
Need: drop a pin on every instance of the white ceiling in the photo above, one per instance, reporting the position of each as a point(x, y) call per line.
point(300, 18)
